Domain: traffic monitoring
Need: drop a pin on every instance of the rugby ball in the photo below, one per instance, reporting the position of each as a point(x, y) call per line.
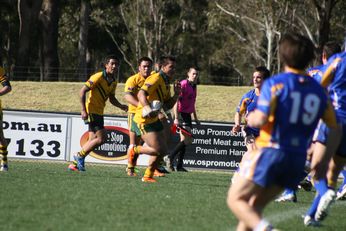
point(155, 105)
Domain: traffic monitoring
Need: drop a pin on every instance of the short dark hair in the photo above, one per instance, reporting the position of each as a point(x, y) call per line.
point(264, 71)
point(165, 59)
point(296, 50)
point(146, 59)
point(107, 58)
point(331, 48)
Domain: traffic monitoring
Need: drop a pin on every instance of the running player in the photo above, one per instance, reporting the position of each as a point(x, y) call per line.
point(146, 123)
point(334, 79)
point(247, 104)
point(329, 49)
point(132, 86)
point(6, 88)
point(288, 110)
point(100, 86)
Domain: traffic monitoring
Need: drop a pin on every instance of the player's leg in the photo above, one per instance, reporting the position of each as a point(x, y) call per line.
point(186, 140)
point(97, 136)
point(3, 148)
point(247, 200)
point(167, 133)
point(155, 141)
point(134, 141)
point(341, 193)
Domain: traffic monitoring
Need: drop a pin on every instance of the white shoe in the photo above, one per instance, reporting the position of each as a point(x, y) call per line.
point(323, 206)
point(4, 168)
point(308, 221)
point(341, 194)
point(287, 197)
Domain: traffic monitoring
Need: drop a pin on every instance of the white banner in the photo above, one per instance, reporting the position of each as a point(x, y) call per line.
point(113, 151)
point(35, 135)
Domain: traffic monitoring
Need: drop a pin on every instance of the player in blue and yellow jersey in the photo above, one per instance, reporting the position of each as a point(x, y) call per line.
point(101, 87)
point(247, 104)
point(329, 49)
point(334, 79)
point(6, 88)
point(132, 86)
point(287, 112)
point(146, 122)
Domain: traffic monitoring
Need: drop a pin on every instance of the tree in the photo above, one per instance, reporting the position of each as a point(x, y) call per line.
point(83, 39)
point(49, 17)
point(28, 11)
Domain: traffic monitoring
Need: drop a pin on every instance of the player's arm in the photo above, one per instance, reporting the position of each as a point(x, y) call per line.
point(194, 114)
point(172, 100)
point(239, 115)
point(114, 101)
point(142, 98)
point(257, 118)
point(328, 75)
point(82, 100)
point(176, 113)
point(131, 99)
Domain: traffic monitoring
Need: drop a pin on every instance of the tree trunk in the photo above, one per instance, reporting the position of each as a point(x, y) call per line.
point(28, 11)
point(49, 18)
point(83, 40)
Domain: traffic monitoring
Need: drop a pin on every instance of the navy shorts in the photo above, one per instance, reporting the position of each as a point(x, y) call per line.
point(322, 135)
point(270, 166)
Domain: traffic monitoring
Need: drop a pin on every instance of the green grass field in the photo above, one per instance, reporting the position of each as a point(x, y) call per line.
point(37, 195)
point(46, 196)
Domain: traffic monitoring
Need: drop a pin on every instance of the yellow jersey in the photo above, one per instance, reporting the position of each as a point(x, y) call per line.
point(157, 88)
point(3, 80)
point(132, 86)
point(100, 90)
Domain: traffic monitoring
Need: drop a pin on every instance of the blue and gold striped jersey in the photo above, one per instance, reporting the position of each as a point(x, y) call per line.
point(334, 78)
point(294, 103)
point(247, 104)
point(316, 72)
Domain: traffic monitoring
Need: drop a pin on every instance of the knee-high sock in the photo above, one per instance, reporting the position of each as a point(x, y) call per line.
point(181, 157)
point(3, 154)
point(177, 149)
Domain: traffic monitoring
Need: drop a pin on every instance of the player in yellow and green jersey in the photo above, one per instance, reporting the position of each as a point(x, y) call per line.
point(101, 87)
point(132, 86)
point(146, 123)
point(6, 88)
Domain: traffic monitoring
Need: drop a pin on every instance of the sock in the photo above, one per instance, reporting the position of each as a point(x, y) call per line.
point(289, 191)
point(312, 210)
point(130, 165)
point(343, 173)
point(3, 154)
point(148, 173)
point(321, 186)
point(181, 155)
point(137, 149)
point(177, 149)
point(263, 225)
point(82, 153)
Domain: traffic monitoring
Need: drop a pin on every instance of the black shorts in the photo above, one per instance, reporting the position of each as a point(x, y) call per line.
point(96, 122)
point(185, 119)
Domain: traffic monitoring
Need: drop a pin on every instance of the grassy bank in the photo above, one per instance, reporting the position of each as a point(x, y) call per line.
point(215, 103)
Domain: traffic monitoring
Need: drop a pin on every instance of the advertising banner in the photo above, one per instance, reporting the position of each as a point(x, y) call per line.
point(35, 135)
point(215, 147)
point(113, 151)
point(55, 136)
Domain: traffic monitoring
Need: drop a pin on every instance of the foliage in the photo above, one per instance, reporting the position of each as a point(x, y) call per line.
point(226, 39)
